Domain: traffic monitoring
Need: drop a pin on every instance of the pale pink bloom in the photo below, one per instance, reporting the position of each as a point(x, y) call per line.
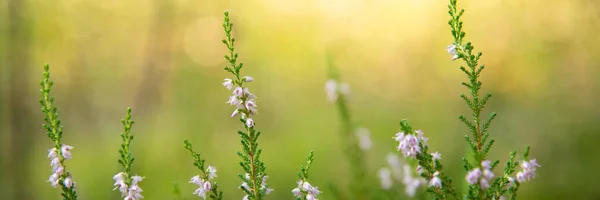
point(436, 181)
point(212, 172)
point(249, 122)
point(248, 79)
point(66, 151)
point(228, 83)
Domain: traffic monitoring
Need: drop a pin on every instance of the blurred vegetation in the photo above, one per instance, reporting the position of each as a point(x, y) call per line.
point(165, 59)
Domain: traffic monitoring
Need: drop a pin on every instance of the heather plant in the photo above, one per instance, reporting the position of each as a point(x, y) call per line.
point(125, 182)
point(483, 183)
point(305, 190)
point(203, 181)
point(254, 180)
point(54, 130)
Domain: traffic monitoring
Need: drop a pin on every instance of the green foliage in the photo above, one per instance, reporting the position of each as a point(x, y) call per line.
point(54, 130)
point(303, 173)
point(126, 158)
point(251, 163)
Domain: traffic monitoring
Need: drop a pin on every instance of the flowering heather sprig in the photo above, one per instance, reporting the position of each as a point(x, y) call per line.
point(413, 144)
point(488, 187)
point(354, 145)
point(127, 184)
point(304, 190)
point(203, 181)
point(254, 182)
point(61, 152)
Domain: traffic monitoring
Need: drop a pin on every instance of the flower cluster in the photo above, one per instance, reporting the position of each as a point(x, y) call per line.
point(243, 100)
point(364, 138)
point(529, 168)
point(129, 189)
point(57, 167)
point(204, 185)
point(483, 177)
point(263, 186)
point(305, 188)
point(333, 89)
point(409, 143)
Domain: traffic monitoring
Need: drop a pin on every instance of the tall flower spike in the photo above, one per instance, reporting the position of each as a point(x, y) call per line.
point(60, 152)
point(127, 184)
point(206, 188)
point(254, 186)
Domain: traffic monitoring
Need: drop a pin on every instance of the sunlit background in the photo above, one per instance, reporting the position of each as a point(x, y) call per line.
point(165, 59)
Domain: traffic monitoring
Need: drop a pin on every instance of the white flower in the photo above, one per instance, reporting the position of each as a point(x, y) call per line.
point(245, 197)
point(249, 122)
point(436, 156)
point(528, 170)
point(212, 172)
point(54, 179)
point(486, 164)
point(364, 138)
point(250, 105)
point(297, 192)
point(409, 146)
point(197, 180)
point(235, 101)
point(207, 186)
point(452, 51)
point(484, 183)
point(248, 94)
point(238, 91)
point(52, 153)
point(228, 83)
point(386, 178)
point(248, 79)
point(331, 90)
point(305, 187)
point(68, 182)
point(436, 181)
point(66, 151)
point(245, 186)
point(247, 176)
point(473, 176)
point(136, 179)
point(235, 113)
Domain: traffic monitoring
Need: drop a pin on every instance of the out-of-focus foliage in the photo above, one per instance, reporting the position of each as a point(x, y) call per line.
point(165, 59)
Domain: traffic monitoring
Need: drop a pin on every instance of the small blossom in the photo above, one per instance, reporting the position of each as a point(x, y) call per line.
point(409, 146)
point(248, 79)
point(436, 181)
point(297, 192)
point(52, 153)
point(386, 178)
point(484, 183)
point(228, 83)
point(248, 94)
point(528, 170)
point(364, 138)
point(331, 90)
point(235, 101)
point(452, 51)
point(250, 105)
point(249, 122)
point(68, 182)
point(235, 113)
point(212, 172)
point(486, 164)
point(473, 176)
point(436, 156)
point(238, 91)
point(54, 179)
point(66, 151)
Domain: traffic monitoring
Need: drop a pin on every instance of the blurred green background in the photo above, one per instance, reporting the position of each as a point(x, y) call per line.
point(164, 58)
